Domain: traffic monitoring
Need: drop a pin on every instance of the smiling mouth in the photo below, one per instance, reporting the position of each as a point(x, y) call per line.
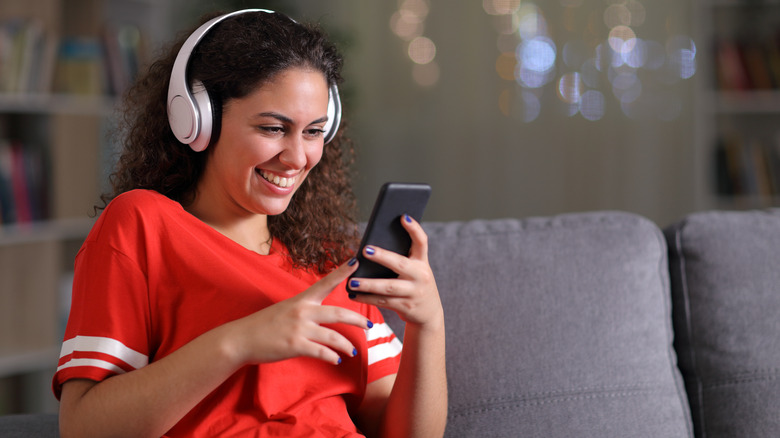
point(277, 180)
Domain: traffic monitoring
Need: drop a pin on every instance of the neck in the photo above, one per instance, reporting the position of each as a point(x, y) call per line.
point(248, 230)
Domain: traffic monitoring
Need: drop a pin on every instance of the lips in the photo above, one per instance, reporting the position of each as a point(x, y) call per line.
point(279, 181)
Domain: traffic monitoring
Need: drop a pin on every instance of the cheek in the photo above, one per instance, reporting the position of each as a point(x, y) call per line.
point(314, 156)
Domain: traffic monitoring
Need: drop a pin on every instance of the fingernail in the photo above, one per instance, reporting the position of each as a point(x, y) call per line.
point(408, 218)
point(339, 362)
point(354, 284)
point(352, 296)
point(352, 261)
point(369, 324)
point(354, 352)
point(370, 250)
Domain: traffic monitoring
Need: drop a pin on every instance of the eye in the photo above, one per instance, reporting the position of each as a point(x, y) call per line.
point(272, 130)
point(314, 132)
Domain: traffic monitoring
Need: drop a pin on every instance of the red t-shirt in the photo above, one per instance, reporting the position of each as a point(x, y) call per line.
point(151, 277)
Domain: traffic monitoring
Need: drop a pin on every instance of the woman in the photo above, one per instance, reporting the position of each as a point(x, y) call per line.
point(209, 298)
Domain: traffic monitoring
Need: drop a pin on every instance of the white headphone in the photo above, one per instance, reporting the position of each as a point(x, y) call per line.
point(189, 108)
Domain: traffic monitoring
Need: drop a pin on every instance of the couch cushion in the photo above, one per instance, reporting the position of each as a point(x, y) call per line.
point(29, 425)
point(558, 327)
point(726, 287)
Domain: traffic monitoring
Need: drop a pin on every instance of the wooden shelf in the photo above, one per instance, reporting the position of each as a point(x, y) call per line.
point(62, 135)
point(743, 3)
point(60, 229)
point(56, 104)
point(13, 363)
point(745, 102)
point(738, 138)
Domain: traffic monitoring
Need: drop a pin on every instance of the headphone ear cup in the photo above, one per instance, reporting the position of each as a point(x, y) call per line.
point(205, 116)
point(334, 113)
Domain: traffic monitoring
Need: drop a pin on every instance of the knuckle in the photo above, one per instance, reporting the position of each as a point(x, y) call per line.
point(403, 264)
point(323, 353)
point(294, 344)
point(298, 313)
point(333, 338)
point(341, 314)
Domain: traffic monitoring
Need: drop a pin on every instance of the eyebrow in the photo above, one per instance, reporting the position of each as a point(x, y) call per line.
point(284, 119)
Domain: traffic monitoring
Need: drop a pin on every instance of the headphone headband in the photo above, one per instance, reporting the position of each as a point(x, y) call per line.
point(189, 108)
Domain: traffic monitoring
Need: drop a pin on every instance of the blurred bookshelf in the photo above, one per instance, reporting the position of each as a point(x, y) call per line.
point(739, 102)
point(62, 65)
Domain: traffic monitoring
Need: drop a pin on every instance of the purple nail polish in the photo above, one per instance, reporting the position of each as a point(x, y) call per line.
point(369, 324)
point(370, 250)
point(352, 261)
point(408, 218)
point(354, 352)
point(339, 362)
point(354, 284)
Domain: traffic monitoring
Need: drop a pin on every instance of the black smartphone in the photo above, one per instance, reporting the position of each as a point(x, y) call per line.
point(384, 229)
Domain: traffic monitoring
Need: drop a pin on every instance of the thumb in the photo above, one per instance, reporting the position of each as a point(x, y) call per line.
point(321, 289)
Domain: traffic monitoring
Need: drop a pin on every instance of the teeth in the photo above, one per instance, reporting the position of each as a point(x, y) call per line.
point(277, 180)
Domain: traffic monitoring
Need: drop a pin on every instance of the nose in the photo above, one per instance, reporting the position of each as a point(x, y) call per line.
point(293, 154)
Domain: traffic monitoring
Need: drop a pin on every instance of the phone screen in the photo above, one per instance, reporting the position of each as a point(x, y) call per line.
point(384, 229)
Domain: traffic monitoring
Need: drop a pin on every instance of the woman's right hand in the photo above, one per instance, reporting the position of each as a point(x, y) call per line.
point(293, 327)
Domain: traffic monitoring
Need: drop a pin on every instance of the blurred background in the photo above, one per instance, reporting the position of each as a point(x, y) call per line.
point(508, 108)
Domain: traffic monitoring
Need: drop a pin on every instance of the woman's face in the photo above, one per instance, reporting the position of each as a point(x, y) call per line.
point(269, 142)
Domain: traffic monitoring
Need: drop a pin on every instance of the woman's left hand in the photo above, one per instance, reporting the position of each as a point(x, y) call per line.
point(413, 295)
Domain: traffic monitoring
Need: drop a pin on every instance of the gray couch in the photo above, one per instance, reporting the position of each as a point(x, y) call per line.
point(601, 324)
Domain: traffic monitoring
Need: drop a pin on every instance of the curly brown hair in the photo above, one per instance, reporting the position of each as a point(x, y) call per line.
point(238, 55)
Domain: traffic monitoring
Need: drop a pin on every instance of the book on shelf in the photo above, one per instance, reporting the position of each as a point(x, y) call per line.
point(23, 183)
point(34, 60)
point(730, 70)
point(747, 64)
point(123, 49)
point(27, 54)
point(747, 167)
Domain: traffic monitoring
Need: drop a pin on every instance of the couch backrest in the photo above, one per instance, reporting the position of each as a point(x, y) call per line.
point(558, 327)
point(725, 270)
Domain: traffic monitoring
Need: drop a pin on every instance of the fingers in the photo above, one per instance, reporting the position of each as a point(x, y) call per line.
point(320, 290)
point(327, 344)
point(419, 247)
point(413, 295)
point(324, 342)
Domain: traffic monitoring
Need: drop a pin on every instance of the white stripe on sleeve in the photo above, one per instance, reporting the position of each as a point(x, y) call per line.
point(378, 331)
point(97, 363)
point(97, 344)
point(384, 351)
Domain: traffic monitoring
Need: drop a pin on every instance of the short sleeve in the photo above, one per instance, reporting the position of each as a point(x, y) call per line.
point(384, 348)
point(108, 330)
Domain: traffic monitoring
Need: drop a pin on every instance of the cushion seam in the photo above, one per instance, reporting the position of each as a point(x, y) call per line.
point(489, 405)
point(678, 238)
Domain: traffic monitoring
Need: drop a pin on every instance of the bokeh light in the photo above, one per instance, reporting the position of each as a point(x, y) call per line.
point(422, 50)
point(604, 58)
point(426, 75)
point(592, 105)
point(408, 24)
point(617, 15)
point(522, 105)
point(500, 7)
point(405, 28)
point(505, 66)
point(570, 88)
